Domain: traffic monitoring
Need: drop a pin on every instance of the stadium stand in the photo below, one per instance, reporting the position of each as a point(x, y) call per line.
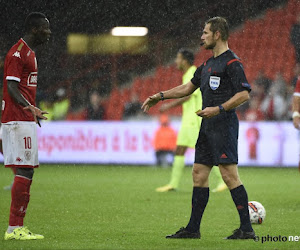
point(262, 44)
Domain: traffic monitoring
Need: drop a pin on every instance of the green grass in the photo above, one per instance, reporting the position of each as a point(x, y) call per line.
point(96, 207)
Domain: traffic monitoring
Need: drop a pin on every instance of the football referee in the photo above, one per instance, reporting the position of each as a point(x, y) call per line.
point(190, 124)
point(224, 87)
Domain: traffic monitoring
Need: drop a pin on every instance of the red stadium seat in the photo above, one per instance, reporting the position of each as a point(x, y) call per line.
point(262, 44)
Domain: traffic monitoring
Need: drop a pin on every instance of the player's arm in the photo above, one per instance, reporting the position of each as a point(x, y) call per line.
point(175, 93)
point(14, 92)
point(173, 104)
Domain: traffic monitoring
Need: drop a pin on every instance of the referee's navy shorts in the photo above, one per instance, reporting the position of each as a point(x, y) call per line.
point(218, 140)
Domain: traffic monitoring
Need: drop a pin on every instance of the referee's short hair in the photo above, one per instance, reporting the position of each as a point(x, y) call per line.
point(33, 21)
point(219, 24)
point(187, 55)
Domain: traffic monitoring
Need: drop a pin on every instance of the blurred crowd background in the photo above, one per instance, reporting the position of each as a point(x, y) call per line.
point(87, 74)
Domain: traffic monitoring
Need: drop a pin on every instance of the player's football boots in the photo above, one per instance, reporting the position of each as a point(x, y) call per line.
point(165, 188)
point(239, 234)
point(37, 236)
point(184, 234)
point(22, 233)
point(221, 187)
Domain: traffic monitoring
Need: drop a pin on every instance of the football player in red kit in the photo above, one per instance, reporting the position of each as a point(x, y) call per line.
point(19, 118)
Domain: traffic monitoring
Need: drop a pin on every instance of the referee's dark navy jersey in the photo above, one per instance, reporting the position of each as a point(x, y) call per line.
point(220, 79)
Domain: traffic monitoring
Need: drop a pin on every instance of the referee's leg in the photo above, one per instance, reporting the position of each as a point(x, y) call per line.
point(200, 195)
point(199, 201)
point(238, 192)
point(200, 175)
point(230, 175)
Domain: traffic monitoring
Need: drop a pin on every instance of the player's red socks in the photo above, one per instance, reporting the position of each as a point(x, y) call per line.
point(19, 200)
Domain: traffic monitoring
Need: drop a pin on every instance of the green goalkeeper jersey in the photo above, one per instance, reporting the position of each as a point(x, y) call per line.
point(193, 104)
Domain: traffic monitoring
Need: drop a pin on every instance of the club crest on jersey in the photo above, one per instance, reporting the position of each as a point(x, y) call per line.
point(27, 155)
point(214, 82)
point(32, 79)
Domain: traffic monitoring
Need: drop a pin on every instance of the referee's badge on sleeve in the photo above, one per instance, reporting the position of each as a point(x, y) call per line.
point(214, 82)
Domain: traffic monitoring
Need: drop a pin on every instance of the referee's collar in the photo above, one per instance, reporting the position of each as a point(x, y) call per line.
point(221, 54)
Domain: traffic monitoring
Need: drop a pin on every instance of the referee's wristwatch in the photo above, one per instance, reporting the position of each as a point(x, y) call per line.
point(161, 96)
point(222, 110)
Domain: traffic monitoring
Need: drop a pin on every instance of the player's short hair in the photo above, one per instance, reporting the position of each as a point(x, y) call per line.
point(187, 55)
point(33, 21)
point(219, 24)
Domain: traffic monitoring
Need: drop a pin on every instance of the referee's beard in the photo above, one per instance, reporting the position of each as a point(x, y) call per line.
point(210, 46)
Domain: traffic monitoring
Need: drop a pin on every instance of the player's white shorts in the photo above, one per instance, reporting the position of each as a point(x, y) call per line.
point(20, 147)
point(0, 132)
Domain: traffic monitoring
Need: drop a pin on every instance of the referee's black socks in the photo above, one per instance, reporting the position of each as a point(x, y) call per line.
point(199, 202)
point(240, 198)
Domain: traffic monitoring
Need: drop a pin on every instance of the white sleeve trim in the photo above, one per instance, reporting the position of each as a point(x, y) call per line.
point(13, 78)
point(297, 94)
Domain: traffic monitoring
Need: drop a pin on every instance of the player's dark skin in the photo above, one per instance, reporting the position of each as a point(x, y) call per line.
point(35, 37)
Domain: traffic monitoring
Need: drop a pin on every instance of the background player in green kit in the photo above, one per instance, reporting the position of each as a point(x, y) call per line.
point(190, 123)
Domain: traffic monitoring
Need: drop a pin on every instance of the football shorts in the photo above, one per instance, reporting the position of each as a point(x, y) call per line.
point(20, 147)
point(218, 140)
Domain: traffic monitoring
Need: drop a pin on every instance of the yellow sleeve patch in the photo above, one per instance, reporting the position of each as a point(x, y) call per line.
point(20, 46)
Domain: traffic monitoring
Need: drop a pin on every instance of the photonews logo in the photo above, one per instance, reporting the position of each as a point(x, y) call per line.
point(279, 238)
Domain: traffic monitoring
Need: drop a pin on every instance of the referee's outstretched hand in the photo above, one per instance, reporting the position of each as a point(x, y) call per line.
point(208, 112)
point(150, 102)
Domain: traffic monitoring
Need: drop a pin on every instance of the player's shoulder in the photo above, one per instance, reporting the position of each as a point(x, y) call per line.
point(231, 58)
point(18, 50)
point(192, 70)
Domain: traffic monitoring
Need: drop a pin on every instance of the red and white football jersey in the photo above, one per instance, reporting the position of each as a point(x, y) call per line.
point(297, 88)
point(21, 66)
